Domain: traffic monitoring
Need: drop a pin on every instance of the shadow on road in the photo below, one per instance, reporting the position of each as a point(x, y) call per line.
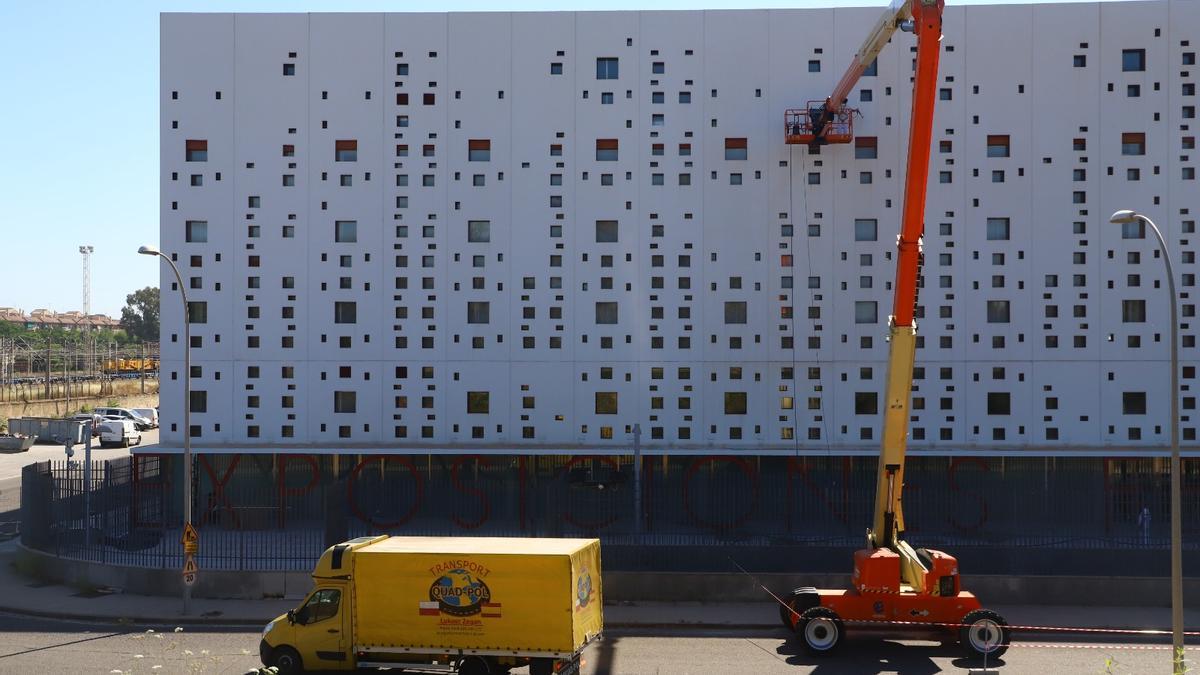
point(871, 654)
point(68, 643)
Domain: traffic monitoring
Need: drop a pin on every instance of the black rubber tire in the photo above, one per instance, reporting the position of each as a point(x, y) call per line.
point(287, 660)
point(798, 600)
point(820, 630)
point(975, 639)
point(474, 665)
point(541, 667)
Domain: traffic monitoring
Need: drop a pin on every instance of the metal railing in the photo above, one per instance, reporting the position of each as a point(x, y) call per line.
point(278, 512)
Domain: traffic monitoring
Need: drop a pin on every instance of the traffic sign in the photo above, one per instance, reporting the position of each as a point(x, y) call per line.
point(189, 569)
point(190, 538)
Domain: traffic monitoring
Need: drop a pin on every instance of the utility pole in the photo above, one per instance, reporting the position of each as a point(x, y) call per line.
point(66, 380)
point(48, 344)
point(142, 364)
point(87, 278)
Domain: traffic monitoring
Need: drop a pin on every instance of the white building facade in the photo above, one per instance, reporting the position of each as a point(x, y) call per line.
point(528, 232)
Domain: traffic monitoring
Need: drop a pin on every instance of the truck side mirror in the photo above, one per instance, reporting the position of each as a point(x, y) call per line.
point(291, 616)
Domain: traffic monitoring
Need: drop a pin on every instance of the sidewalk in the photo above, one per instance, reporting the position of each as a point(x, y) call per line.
point(25, 596)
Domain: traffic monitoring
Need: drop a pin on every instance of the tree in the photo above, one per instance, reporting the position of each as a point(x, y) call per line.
point(139, 317)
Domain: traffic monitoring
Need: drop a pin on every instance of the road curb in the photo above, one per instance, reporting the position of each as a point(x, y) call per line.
point(258, 623)
point(132, 620)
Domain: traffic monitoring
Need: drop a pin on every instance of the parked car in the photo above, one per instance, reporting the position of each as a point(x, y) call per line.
point(125, 413)
point(96, 419)
point(149, 413)
point(120, 432)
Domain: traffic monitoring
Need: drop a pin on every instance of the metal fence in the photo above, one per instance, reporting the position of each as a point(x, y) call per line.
point(278, 512)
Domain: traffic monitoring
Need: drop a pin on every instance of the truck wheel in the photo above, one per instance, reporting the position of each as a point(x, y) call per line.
point(287, 660)
point(820, 629)
point(799, 600)
point(984, 633)
point(474, 665)
point(541, 667)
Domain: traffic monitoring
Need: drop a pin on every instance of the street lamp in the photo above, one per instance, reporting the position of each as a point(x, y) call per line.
point(1121, 218)
point(187, 407)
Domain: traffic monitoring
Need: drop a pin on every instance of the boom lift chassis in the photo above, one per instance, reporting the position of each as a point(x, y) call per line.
point(894, 584)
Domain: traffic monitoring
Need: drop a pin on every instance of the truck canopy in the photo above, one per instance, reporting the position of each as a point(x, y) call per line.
point(474, 594)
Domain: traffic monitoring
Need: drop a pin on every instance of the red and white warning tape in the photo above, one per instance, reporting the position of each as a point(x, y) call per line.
point(1149, 632)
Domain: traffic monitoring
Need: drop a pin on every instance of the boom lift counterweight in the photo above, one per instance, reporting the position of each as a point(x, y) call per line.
point(892, 581)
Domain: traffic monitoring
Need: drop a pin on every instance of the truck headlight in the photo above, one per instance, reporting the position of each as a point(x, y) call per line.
point(268, 628)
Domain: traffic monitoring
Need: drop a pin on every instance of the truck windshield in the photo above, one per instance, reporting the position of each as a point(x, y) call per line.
point(323, 604)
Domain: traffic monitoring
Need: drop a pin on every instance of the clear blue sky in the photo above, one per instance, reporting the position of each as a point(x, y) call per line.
point(79, 131)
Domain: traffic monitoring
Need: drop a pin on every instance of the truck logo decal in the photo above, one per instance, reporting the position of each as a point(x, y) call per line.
point(459, 592)
point(583, 589)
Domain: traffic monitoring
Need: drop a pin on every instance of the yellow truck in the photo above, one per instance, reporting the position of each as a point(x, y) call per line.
point(468, 605)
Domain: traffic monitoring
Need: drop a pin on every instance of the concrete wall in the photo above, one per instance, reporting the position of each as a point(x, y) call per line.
point(60, 408)
point(632, 586)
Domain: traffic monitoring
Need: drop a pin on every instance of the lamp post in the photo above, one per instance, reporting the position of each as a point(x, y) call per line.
point(187, 407)
point(1120, 218)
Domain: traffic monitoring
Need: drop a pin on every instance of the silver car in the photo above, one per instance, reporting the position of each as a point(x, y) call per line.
point(125, 413)
point(149, 413)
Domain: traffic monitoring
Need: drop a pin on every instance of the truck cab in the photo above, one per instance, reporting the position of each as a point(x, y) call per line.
point(316, 635)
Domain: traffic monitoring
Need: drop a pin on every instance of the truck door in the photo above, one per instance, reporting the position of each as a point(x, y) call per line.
point(322, 629)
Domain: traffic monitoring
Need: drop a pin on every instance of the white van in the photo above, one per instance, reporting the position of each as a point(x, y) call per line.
point(119, 432)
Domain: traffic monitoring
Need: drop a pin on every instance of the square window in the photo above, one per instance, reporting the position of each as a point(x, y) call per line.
point(866, 403)
point(1133, 60)
point(735, 403)
point(606, 313)
point(735, 148)
point(479, 231)
point(606, 68)
point(345, 231)
point(865, 311)
point(606, 149)
point(866, 229)
point(606, 231)
point(997, 311)
point(1133, 143)
point(345, 151)
point(1133, 403)
point(735, 312)
point(606, 403)
point(477, 402)
point(478, 312)
point(866, 147)
point(479, 150)
point(196, 231)
point(196, 150)
point(997, 146)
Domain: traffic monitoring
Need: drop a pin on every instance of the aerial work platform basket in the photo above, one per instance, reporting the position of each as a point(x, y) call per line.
point(815, 124)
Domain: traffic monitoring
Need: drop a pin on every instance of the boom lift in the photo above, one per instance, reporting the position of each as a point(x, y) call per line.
point(892, 581)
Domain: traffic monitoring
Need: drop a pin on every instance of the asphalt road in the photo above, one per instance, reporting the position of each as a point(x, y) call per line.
point(42, 646)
